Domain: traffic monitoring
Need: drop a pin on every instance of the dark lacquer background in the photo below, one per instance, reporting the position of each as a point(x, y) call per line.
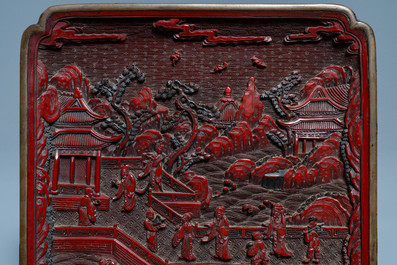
point(17, 15)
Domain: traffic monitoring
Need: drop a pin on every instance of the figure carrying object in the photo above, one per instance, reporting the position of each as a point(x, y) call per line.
point(87, 208)
point(311, 237)
point(257, 250)
point(152, 225)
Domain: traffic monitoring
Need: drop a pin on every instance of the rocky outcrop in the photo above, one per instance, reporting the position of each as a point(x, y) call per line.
point(251, 107)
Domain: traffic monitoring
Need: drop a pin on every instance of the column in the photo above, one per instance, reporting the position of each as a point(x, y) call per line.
point(88, 173)
point(72, 170)
point(296, 151)
point(97, 171)
point(54, 189)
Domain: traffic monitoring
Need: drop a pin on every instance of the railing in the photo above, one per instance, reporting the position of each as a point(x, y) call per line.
point(72, 202)
point(166, 211)
point(175, 184)
point(118, 162)
point(110, 239)
point(175, 196)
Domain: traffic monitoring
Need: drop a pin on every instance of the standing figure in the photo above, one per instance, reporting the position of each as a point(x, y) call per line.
point(219, 231)
point(257, 250)
point(152, 225)
point(312, 238)
point(154, 168)
point(127, 187)
point(87, 209)
point(186, 231)
point(277, 228)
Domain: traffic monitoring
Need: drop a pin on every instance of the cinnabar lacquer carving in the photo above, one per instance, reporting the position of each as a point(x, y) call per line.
point(141, 161)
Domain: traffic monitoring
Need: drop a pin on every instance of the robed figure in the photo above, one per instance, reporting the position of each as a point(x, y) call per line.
point(153, 168)
point(277, 229)
point(126, 186)
point(219, 230)
point(186, 232)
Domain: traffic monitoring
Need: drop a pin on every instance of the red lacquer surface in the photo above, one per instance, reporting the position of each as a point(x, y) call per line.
point(160, 140)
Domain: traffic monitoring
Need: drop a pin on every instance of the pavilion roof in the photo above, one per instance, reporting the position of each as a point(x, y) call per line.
point(85, 139)
point(324, 100)
point(314, 124)
point(76, 111)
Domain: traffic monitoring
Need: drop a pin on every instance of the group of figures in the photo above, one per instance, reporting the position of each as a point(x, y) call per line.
point(219, 229)
point(277, 230)
point(257, 248)
point(126, 186)
point(186, 231)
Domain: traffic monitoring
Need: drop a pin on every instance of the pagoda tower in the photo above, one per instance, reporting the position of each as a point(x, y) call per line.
point(227, 107)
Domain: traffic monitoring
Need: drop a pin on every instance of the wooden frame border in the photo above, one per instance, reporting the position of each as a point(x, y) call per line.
point(354, 24)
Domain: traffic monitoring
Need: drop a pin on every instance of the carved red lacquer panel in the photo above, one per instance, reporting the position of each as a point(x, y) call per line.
point(201, 136)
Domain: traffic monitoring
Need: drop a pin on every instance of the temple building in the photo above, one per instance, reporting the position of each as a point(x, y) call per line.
point(77, 158)
point(315, 118)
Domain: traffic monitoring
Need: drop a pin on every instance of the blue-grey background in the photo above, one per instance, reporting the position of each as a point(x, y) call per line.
point(17, 15)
